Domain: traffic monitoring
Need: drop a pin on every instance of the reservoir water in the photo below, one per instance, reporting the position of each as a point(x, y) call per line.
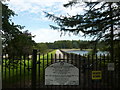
point(82, 52)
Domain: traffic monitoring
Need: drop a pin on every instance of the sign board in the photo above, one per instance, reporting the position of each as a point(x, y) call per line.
point(96, 75)
point(111, 66)
point(61, 73)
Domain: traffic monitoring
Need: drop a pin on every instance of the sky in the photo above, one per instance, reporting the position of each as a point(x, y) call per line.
point(30, 14)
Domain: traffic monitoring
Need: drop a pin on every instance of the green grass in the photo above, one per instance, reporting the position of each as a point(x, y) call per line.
point(12, 75)
point(87, 49)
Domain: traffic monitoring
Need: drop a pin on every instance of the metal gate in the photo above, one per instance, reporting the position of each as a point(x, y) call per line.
point(28, 71)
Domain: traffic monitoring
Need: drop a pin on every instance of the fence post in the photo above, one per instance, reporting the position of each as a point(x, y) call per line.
point(34, 59)
point(118, 72)
point(0, 45)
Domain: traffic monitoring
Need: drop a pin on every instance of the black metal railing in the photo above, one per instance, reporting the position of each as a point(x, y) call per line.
point(28, 71)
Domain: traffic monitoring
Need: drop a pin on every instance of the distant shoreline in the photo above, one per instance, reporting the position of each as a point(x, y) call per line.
point(69, 49)
point(65, 50)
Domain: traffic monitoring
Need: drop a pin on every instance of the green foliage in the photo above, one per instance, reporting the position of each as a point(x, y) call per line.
point(117, 49)
point(63, 44)
point(69, 44)
point(14, 40)
point(9, 29)
point(21, 44)
point(42, 47)
point(101, 20)
point(14, 68)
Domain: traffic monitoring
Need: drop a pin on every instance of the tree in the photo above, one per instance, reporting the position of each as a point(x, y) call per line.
point(9, 29)
point(83, 45)
point(42, 47)
point(50, 45)
point(100, 21)
point(15, 42)
point(20, 45)
point(68, 44)
point(75, 44)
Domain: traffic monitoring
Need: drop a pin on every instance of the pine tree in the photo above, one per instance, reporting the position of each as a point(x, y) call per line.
point(14, 41)
point(101, 20)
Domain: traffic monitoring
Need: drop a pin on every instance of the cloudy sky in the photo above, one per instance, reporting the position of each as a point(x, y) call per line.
point(30, 14)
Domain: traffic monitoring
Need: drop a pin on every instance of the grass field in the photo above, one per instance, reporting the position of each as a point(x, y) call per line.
point(20, 72)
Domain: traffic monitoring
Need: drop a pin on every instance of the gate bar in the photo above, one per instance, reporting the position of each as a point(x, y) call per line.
point(34, 69)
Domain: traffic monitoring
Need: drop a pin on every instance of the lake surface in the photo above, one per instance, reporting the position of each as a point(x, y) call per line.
point(82, 52)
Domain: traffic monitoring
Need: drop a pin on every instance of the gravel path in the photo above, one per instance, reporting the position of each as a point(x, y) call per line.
point(60, 56)
point(59, 52)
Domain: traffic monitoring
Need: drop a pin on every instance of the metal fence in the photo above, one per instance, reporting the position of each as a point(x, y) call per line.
point(28, 71)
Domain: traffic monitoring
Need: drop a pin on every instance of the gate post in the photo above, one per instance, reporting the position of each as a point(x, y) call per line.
point(34, 59)
point(118, 72)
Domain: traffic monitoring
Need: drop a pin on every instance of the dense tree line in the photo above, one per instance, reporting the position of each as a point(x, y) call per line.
point(70, 44)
